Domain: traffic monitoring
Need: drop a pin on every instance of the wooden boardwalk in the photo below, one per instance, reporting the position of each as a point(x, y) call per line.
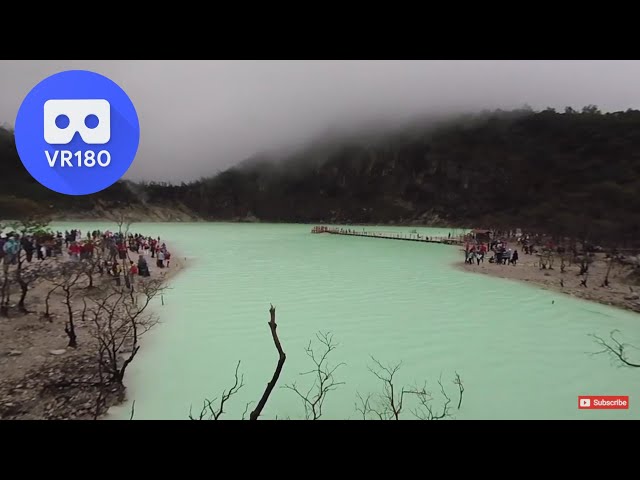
point(407, 237)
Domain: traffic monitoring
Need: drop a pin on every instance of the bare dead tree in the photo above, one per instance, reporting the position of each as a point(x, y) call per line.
point(616, 349)
point(390, 403)
point(546, 259)
point(83, 314)
point(209, 411)
point(246, 409)
point(425, 410)
point(550, 258)
point(54, 274)
point(92, 265)
point(67, 278)
point(276, 374)
point(25, 278)
point(583, 282)
point(585, 261)
point(28, 274)
point(6, 290)
point(125, 222)
point(47, 298)
point(102, 384)
point(101, 401)
point(605, 282)
point(324, 381)
point(458, 381)
point(118, 321)
point(363, 405)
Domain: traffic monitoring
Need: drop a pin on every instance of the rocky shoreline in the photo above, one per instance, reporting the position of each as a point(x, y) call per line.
point(622, 291)
point(40, 376)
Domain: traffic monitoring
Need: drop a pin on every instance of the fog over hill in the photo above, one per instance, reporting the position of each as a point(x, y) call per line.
point(403, 142)
point(573, 173)
point(200, 117)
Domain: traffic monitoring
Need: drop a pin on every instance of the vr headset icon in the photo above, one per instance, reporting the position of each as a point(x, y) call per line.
point(64, 118)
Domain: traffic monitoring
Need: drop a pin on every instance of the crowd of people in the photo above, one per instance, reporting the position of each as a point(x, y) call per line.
point(476, 249)
point(112, 249)
point(474, 252)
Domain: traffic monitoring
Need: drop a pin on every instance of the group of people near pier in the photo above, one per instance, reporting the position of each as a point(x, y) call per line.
point(474, 252)
point(476, 249)
point(114, 248)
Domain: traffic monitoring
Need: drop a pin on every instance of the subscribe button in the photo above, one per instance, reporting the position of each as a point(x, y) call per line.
point(606, 402)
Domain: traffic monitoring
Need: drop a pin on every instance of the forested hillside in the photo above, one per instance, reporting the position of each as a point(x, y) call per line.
point(570, 173)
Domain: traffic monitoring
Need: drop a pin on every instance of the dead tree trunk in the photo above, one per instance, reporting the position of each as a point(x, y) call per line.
point(24, 288)
point(605, 283)
point(6, 293)
point(584, 265)
point(583, 282)
point(281, 359)
point(69, 328)
point(47, 314)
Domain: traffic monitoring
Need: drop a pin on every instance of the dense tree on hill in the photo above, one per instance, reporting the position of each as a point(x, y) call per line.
point(570, 174)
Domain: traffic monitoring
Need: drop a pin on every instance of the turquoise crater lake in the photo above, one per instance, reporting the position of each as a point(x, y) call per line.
point(520, 355)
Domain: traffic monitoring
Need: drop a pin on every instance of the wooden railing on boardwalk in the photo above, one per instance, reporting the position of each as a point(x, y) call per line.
point(408, 237)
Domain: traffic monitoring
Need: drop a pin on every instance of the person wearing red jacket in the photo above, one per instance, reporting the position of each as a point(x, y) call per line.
point(74, 251)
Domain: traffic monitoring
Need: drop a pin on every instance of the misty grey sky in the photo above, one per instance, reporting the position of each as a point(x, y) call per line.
point(197, 117)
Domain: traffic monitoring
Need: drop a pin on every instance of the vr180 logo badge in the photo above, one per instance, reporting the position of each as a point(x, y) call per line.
point(77, 132)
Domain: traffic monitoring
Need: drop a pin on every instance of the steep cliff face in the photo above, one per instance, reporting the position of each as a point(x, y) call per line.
point(571, 174)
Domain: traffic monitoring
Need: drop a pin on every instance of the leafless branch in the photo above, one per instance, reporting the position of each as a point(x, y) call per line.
point(616, 349)
point(70, 275)
point(118, 321)
point(100, 403)
point(458, 381)
point(47, 314)
point(323, 377)
point(390, 402)
point(363, 405)
point(215, 413)
point(426, 411)
point(124, 221)
point(276, 374)
point(246, 409)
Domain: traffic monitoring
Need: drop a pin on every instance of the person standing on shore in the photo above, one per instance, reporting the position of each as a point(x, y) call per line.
point(116, 272)
point(143, 268)
point(507, 259)
point(514, 257)
point(11, 249)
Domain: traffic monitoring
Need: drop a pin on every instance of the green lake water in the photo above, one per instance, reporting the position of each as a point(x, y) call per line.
point(520, 356)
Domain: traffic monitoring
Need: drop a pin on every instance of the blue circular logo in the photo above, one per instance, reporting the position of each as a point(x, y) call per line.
point(77, 132)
